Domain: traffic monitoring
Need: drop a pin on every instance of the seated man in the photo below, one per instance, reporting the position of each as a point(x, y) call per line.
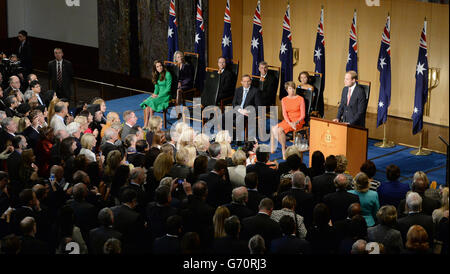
point(226, 88)
point(352, 109)
point(267, 85)
point(245, 96)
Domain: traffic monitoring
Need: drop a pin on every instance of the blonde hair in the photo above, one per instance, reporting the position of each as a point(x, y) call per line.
point(83, 121)
point(87, 140)
point(192, 153)
point(180, 53)
point(98, 101)
point(51, 108)
point(186, 137)
point(154, 123)
point(179, 128)
point(113, 160)
point(444, 200)
point(225, 150)
point(420, 175)
point(293, 150)
point(112, 117)
point(162, 165)
point(222, 212)
point(182, 156)
point(342, 163)
point(223, 136)
point(239, 158)
point(22, 124)
point(361, 182)
point(201, 142)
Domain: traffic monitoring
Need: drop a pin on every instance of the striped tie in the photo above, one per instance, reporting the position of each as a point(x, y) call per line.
point(59, 76)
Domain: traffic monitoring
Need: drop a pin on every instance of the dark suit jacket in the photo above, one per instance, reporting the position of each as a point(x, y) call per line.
point(13, 163)
point(241, 211)
point(25, 55)
point(85, 216)
point(67, 75)
point(32, 137)
point(355, 112)
point(219, 190)
point(226, 85)
point(251, 100)
point(417, 219)
point(12, 112)
point(263, 225)
point(322, 185)
point(197, 217)
point(186, 76)
point(268, 179)
point(211, 164)
point(338, 203)
point(2, 104)
point(130, 223)
point(290, 244)
point(304, 203)
point(157, 216)
point(254, 197)
point(31, 245)
point(107, 147)
point(229, 245)
point(167, 245)
point(98, 237)
point(268, 89)
point(428, 206)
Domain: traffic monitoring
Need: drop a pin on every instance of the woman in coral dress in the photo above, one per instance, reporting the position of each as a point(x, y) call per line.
point(293, 107)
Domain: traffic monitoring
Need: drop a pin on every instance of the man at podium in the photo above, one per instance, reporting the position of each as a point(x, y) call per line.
point(352, 109)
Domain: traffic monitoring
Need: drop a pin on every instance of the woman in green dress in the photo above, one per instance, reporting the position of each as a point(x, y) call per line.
point(161, 95)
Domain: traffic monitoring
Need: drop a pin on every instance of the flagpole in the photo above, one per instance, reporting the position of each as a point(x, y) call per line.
point(385, 143)
point(420, 151)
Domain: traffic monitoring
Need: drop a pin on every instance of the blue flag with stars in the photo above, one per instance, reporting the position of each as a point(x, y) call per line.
point(257, 48)
point(421, 91)
point(227, 44)
point(172, 32)
point(352, 60)
point(384, 66)
point(200, 46)
point(319, 60)
point(286, 52)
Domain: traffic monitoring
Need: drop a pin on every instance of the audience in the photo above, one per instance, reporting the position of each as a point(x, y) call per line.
point(367, 198)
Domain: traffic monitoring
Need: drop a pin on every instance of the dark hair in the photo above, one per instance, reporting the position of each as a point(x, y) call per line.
point(305, 73)
point(321, 215)
point(173, 224)
point(392, 172)
point(358, 227)
point(294, 162)
point(330, 163)
point(16, 141)
point(248, 146)
point(150, 157)
point(26, 196)
point(10, 244)
point(190, 243)
point(66, 222)
point(369, 168)
point(128, 195)
point(262, 156)
point(156, 76)
point(34, 83)
point(317, 161)
point(141, 145)
point(66, 147)
point(251, 180)
point(162, 194)
point(287, 225)
point(220, 164)
point(24, 33)
point(120, 178)
point(200, 164)
point(200, 189)
point(214, 149)
point(231, 226)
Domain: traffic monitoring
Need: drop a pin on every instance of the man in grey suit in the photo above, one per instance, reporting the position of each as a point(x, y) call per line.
point(130, 119)
point(57, 122)
point(352, 109)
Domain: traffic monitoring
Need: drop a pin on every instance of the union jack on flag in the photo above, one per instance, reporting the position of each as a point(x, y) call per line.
point(286, 52)
point(352, 59)
point(257, 48)
point(172, 31)
point(227, 44)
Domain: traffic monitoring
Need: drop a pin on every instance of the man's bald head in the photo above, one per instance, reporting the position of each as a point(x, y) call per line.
point(240, 195)
point(341, 182)
point(28, 226)
point(79, 191)
point(354, 209)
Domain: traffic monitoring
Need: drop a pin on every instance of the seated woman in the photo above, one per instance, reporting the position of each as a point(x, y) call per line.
point(305, 85)
point(185, 76)
point(159, 100)
point(293, 107)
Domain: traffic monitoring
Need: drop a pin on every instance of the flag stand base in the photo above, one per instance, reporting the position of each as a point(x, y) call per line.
point(420, 151)
point(385, 143)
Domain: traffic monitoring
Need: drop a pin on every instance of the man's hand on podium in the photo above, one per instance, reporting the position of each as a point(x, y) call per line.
point(336, 120)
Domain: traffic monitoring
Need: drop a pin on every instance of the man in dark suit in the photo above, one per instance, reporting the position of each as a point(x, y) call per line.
point(261, 224)
point(158, 212)
point(226, 85)
point(339, 201)
point(324, 184)
point(219, 189)
point(130, 119)
point(29, 244)
point(11, 106)
point(170, 243)
point(342, 227)
point(246, 96)
point(98, 236)
point(214, 155)
point(267, 85)
point(416, 217)
point(60, 73)
point(13, 163)
point(137, 181)
point(85, 213)
point(31, 133)
point(111, 137)
point(289, 243)
point(2, 98)
point(352, 109)
point(254, 196)
point(7, 132)
point(36, 88)
point(268, 178)
point(28, 207)
point(130, 223)
point(304, 200)
point(198, 215)
point(238, 205)
point(428, 204)
point(24, 52)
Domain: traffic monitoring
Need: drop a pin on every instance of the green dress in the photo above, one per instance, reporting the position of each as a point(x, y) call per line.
point(162, 89)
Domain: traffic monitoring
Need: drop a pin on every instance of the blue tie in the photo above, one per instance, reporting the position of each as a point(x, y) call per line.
point(244, 97)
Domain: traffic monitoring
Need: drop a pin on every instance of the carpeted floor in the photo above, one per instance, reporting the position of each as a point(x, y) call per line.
point(433, 165)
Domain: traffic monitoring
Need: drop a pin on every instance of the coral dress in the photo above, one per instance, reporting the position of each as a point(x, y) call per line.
point(293, 110)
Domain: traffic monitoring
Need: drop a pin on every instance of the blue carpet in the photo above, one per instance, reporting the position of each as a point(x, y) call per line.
point(433, 165)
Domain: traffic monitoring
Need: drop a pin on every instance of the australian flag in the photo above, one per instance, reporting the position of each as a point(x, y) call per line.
point(257, 40)
point(384, 67)
point(319, 60)
point(421, 82)
point(227, 44)
point(172, 32)
point(200, 45)
point(286, 52)
point(352, 60)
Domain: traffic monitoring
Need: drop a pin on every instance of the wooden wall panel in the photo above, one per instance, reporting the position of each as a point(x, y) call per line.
point(406, 23)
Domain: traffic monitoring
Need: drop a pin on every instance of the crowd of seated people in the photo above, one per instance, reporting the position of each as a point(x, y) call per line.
point(107, 186)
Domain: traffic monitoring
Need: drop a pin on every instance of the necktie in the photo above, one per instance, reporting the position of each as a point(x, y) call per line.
point(244, 96)
point(59, 76)
point(349, 95)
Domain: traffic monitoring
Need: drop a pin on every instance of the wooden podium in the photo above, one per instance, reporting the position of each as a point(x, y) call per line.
point(333, 138)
